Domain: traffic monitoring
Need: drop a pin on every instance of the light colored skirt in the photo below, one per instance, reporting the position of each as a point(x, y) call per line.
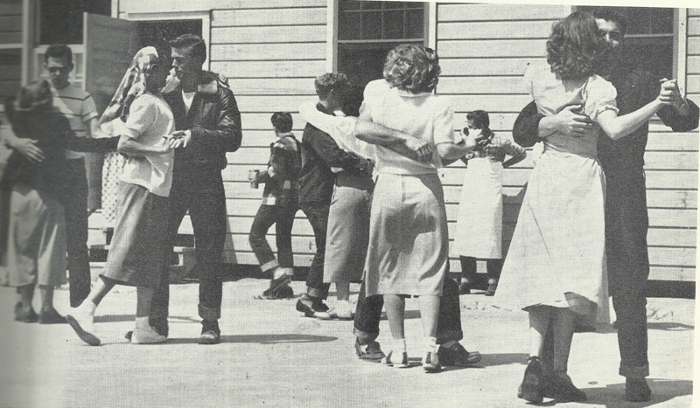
point(137, 252)
point(348, 230)
point(557, 255)
point(479, 227)
point(408, 244)
point(36, 248)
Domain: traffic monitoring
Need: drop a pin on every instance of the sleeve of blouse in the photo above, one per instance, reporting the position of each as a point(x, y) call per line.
point(336, 126)
point(600, 97)
point(141, 116)
point(443, 122)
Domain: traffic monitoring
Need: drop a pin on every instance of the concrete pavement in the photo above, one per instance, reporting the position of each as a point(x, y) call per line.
point(272, 356)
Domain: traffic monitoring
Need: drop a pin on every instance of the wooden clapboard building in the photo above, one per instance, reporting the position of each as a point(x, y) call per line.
point(272, 50)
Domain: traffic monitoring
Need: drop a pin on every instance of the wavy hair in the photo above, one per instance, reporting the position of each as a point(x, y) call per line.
point(574, 46)
point(412, 68)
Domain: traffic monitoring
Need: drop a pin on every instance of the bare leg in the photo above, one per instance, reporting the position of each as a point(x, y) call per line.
point(539, 322)
point(144, 298)
point(343, 290)
point(429, 307)
point(395, 307)
point(99, 290)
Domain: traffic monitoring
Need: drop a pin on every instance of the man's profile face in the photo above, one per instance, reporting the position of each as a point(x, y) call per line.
point(59, 69)
point(610, 32)
point(184, 63)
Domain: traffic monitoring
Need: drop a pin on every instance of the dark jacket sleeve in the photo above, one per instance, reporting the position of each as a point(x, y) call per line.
point(226, 137)
point(679, 123)
point(334, 156)
point(526, 126)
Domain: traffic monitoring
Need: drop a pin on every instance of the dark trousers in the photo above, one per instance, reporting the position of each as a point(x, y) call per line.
point(283, 218)
point(317, 214)
point(493, 268)
point(626, 225)
point(369, 311)
point(77, 232)
point(202, 193)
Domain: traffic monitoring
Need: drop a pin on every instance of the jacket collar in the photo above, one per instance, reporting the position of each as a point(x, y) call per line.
point(209, 83)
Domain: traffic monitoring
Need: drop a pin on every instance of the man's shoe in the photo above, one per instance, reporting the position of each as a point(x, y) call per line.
point(531, 389)
point(26, 316)
point(313, 307)
point(51, 317)
point(84, 327)
point(397, 360)
point(211, 334)
point(491, 289)
point(637, 390)
point(560, 387)
point(456, 355)
point(371, 351)
point(147, 335)
point(282, 292)
point(431, 363)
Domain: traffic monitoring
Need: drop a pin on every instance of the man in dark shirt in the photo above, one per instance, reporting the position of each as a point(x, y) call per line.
point(319, 154)
point(626, 218)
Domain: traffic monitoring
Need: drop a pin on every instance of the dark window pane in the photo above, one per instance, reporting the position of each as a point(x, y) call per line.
point(372, 25)
point(414, 23)
point(371, 5)
point(393, 24)
point(651, 54)
point(394, 4)
point(637, 20)
point(349, 26)
point(349, 5)
point(662, 22)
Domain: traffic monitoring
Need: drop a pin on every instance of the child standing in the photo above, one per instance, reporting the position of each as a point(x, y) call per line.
point(279, 205)
point(480, 216)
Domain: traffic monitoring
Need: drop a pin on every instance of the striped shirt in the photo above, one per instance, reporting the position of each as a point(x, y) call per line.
point(78, 107)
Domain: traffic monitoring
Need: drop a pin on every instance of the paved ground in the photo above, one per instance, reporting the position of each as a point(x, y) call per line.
point(271, 356)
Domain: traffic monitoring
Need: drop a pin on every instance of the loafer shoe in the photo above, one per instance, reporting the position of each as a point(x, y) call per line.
point(51, 317)
point(392, 359)
point(637, 390)
point(370, 352)
point(456, 355)
point(431, 363)
point(313, 308)
point(26, 316)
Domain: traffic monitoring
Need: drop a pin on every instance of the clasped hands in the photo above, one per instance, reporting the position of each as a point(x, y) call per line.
point(179, 138)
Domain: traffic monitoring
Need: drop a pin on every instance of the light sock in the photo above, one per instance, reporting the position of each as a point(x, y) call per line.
point(399, 345)
point(431, 344)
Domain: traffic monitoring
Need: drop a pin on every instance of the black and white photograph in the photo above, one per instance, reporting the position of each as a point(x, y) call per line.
point(474, 204)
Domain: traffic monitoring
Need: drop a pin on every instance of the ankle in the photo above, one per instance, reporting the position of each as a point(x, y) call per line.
point(399, 345)
point(431, 345)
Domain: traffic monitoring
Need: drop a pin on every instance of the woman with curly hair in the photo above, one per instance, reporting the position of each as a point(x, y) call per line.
point(408, 244)
point(555, 268)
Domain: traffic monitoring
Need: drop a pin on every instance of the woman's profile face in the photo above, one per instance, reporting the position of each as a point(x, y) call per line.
point(157, 74)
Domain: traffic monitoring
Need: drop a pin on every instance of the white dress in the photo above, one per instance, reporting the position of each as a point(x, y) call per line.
point(557, 255)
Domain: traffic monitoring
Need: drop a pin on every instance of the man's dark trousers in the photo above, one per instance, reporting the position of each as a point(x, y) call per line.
point(317, 214)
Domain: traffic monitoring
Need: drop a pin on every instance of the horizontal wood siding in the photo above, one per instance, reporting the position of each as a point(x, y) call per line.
point(11, 22)
point(271, 54)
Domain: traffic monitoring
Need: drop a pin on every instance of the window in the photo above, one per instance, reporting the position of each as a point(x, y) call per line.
point(650, 38)
point(367, 30)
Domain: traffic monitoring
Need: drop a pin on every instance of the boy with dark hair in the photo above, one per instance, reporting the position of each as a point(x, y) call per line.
point(319, 154)
point(279, 205)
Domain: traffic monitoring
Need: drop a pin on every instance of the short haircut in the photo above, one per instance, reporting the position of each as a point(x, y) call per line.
point(330, 82)
point(574, 46)
point(608, 14)
point(59, 51)
point(412, 67)
point(193, 43)
point(479, 118)
point(282, 121)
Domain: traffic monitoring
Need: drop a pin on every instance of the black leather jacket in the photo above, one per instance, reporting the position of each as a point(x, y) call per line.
point(214, 120)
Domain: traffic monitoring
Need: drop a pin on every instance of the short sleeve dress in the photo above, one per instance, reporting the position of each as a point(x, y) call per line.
point(557, 254)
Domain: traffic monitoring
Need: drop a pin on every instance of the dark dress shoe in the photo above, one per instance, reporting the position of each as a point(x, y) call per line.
point(211, 334)
point(531, 389)
point(51, 317)
point(562, 389)
point(457, 356)
point(637, 390)
point(26, 316)
point(370, 352)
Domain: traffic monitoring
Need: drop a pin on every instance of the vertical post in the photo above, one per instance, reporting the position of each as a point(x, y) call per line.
point(28, 33)
point(680, 47)
point(331, 35)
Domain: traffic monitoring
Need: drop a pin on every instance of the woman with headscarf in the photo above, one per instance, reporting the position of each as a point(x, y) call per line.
point(34, 190)
point(143, 121)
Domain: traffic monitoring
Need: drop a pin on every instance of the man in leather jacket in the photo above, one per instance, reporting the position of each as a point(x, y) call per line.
point(208, 125)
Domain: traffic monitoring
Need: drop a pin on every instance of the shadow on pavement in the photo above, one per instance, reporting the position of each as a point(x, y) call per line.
point(501, 359)
point(263, 339)
point(613, 395)
point(131, 317)
point(669, 326)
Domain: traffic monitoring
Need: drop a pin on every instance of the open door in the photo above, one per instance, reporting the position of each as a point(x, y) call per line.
point(110, 44)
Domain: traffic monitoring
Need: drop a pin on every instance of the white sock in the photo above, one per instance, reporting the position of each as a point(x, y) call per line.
point(142, 323)
point(399, 345)
point(431, 343)
point(87, 307)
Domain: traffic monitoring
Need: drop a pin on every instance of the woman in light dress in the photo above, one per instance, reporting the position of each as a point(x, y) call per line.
point(555, 267)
